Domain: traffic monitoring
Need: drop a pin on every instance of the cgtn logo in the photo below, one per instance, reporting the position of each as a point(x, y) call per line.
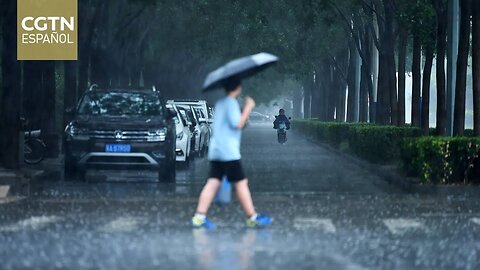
point(51, 30)
point(47, 30)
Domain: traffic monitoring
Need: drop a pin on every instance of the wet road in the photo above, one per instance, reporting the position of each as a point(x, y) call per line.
point(329, 214)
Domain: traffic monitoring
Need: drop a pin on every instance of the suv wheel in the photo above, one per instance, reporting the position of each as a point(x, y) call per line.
point(168, 172)
point(205, 150)
point(201, 150)
point(186, 164)
point(71, 171)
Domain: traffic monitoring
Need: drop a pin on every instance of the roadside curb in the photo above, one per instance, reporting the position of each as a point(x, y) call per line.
point(388, 174)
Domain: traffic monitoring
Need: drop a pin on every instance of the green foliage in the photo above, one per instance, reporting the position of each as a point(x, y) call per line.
point(466, 132)
point(418, 17)
point(439, 159)
point(379, 144)
point(327, 132)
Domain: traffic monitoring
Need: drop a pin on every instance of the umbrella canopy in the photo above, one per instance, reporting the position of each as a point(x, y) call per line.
point(239, 69)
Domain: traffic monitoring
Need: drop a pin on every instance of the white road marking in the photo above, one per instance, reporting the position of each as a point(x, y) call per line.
point(325, 225)
point(10, 199)
point(402, 225)
point(32, 223)
point(4, 191)
point(123, 224)
point(475, 220)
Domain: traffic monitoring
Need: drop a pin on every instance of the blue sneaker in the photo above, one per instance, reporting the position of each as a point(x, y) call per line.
point(207, 224)
point(261, 221)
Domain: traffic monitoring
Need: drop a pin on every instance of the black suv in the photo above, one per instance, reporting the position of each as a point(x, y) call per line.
point(120, 129)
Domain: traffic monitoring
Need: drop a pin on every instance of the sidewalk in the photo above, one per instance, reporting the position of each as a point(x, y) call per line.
point(392, 175)
point(18, 181)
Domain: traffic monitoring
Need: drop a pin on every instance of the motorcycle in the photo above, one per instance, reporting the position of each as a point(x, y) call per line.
point(281, 128)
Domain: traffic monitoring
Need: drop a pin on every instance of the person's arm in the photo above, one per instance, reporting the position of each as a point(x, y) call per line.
point(249, 105)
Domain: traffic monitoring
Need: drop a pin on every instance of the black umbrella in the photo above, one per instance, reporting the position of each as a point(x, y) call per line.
point(238, 69)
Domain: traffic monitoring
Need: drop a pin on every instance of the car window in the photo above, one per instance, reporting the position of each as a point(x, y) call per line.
point(121, 104)
point(184, 114)
point(189, 111)
point(181, 118)
point(199, 112)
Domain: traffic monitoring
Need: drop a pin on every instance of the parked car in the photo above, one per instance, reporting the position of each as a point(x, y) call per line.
point(117, 128)
point(191, 123)
point(203, 129)
point(184, 137)
point(198, 103)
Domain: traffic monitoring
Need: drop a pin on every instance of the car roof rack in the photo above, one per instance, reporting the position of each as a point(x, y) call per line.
point(189, 100)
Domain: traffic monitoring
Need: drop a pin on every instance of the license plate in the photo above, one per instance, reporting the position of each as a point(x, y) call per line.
point(117, 148)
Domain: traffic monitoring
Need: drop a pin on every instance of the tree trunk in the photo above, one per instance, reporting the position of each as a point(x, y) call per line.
point(341, 88)
point(389, 44)
point(99, 68)
point(70, 88)
point(307, 98)
point(416, 80)
point(332, 95)
point(440, 70)
point(383, 113)
point(462, 60)
point(402, 56)
point(351, 84)
point(297, 103)
point(48, 101)
point(85, 32)
point(32, 93)
point(316, 109)
point(11, 99)
point(476, 66)
point(427, 75)
point(366, 83)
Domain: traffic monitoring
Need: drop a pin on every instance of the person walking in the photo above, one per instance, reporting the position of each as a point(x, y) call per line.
point(225, 159)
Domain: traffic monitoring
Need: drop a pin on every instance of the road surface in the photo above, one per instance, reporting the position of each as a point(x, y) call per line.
point(329, 214)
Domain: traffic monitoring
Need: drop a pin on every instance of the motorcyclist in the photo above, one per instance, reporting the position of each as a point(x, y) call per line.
point(281, 118)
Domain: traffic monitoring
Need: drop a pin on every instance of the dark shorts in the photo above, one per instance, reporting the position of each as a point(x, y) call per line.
point(232, 169)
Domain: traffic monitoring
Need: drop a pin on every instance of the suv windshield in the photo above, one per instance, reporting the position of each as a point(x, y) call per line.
point(121, 104)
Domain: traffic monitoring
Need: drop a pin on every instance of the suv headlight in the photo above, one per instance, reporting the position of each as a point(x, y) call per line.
point(180, 136)
point(158, 135)
point(76, 133)
point(71, 130)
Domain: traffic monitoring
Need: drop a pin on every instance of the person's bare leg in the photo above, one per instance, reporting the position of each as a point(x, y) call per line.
point(207, 195)
point(244, 197)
